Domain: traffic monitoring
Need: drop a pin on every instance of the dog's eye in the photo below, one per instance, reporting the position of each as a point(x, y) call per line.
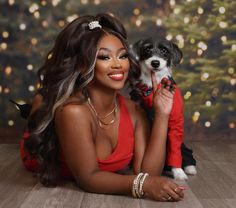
point(148, 50)
point(163, 51)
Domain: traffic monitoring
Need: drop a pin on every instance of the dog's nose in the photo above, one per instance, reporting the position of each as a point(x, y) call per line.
point(155, 63)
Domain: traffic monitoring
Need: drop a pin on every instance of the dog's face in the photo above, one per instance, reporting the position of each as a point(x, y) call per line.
point(157, 55)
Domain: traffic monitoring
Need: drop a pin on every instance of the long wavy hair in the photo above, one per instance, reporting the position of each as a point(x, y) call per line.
point(69, 66)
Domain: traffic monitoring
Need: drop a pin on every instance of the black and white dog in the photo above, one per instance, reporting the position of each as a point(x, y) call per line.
point(159, 56)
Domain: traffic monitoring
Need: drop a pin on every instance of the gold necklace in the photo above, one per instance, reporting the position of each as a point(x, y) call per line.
point(101, 123)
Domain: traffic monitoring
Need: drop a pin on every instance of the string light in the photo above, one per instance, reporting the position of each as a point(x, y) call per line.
point(200, 10)
point(22, 26)
point(8, 70)
point(55, 2)
point(43, 3)
point(208, 103)
point(34, 41)
point(61, 23)
point(3, 46)
point(96, 2)
point(176, 10)
point(223, 38)
point(195, 116)
point(10, 123)
point(84, 1)
point(169, 37)
point(223, 24)
point(138, 22)
point(31, 88)
point(192, 61)
point(233, 47)
point(158, 22)
point(192, 40)
point(199, 52)
point(49, 56)
point(30, 67)
point(37, 14)
point(5, 34)
point(231, 125)
point(204, 76)
point(222, 10)
point(136, 11)
point(207, 124)
point(230, 70)
point(11, 2)
point(186, 20)
point(202, 45)
point(45, 23)
point(6, 90)
point(233, 82)
point(172, 3)
point(34, 7)
point(187, 95)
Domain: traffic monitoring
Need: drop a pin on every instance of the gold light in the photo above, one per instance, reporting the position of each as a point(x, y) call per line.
point(3, 46)
point(204, 76)
point(30, 67)
point(231, 125)
point(22, 26)
point(223, 24)
point(5, 34)
point(208, 103)
point(8, 70)
point(195, 116)
point(223, 38)
point(136, 11)
point(230, 70)
point(34, 41)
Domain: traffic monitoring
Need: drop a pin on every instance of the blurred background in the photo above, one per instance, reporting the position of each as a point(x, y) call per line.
point(205, 30)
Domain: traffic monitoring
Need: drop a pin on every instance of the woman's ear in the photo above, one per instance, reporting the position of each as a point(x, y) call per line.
point(176, 54)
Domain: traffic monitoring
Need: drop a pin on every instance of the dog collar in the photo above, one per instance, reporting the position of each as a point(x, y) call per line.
point(144, 89)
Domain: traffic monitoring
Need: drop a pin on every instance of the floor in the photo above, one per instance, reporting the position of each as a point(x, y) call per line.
point(213, 187)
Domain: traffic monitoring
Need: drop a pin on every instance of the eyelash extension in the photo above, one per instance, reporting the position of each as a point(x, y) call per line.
point(103, 57)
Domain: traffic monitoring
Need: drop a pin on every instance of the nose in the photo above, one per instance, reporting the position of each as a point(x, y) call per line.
point(116, 63)
point(155, 63)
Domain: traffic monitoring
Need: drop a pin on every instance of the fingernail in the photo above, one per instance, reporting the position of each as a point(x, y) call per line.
point(183, 187)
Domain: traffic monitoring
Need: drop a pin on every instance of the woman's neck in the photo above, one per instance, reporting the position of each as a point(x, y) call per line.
point(102, 100)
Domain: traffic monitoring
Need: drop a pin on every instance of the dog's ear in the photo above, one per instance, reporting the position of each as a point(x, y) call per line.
point(176, 54)
point(135, 49)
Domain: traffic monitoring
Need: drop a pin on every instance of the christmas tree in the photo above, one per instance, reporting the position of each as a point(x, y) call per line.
point(206, 31)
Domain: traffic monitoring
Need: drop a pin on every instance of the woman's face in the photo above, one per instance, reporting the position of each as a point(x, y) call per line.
point(112, 64)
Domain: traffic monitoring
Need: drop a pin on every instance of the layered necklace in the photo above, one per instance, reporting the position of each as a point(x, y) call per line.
point(103, 124)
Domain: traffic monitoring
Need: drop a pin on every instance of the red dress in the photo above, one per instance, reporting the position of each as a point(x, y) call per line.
point(119, 158)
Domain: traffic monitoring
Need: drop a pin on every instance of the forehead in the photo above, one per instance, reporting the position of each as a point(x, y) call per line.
point(110, 42)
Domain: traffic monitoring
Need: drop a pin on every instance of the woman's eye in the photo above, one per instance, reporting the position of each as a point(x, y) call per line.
point(103, 57)
point(124, 56)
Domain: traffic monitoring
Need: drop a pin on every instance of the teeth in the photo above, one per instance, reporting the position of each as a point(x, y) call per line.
point(116, 75)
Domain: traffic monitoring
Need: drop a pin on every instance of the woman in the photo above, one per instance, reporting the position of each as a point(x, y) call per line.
point(80, 121)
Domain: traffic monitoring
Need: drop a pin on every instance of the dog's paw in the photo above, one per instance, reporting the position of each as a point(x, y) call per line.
point(179, 174)
point(190, 170)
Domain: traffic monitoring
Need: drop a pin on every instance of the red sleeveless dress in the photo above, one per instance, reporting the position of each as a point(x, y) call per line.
point(119, 159)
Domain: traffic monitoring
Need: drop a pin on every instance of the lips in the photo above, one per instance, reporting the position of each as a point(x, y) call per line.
point(116, 76)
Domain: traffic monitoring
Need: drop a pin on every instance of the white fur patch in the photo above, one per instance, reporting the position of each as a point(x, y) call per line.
point(146, 69)
point(179, 174)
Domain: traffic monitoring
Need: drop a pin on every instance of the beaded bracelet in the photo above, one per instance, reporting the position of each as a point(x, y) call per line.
point(137, 187)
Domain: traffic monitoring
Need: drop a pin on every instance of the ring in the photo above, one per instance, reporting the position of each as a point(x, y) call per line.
point(176, 189)
point(169, 198)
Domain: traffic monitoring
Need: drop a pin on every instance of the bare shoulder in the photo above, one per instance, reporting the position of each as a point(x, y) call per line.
point(72, 111)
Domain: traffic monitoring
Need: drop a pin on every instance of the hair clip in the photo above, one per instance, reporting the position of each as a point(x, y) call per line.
point(94, 24)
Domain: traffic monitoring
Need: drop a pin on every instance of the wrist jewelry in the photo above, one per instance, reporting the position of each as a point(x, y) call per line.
point(137, 187)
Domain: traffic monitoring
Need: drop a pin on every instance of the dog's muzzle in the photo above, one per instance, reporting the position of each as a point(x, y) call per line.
point(155, 64)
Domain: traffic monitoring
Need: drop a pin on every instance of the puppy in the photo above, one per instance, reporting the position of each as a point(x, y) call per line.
point(159, 56)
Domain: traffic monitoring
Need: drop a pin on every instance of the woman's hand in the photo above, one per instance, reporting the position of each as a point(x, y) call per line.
point(163, 97)
point(162, 189)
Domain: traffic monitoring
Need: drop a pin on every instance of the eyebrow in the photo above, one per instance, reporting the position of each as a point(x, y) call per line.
point(107, 49)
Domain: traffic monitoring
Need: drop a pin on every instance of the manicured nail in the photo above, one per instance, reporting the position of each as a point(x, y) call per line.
point(183, 187)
